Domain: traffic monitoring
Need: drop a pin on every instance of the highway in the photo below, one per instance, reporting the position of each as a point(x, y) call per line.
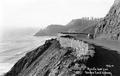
point(108, 44)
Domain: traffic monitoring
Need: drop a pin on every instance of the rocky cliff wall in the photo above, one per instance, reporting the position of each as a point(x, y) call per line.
point(109, 27)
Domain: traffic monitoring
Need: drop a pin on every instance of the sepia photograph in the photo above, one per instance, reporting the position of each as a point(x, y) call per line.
point(59, 37)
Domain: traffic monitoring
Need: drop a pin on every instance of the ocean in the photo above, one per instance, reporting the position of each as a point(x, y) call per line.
point(13, 48)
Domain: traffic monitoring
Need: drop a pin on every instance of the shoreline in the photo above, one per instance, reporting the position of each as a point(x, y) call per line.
point(103, 58)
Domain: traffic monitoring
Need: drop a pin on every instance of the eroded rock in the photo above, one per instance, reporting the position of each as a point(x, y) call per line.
point(54, 59)
point(109, 27)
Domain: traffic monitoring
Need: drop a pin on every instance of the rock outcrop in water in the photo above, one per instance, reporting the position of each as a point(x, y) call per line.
point(67, 57)
point(109, 27)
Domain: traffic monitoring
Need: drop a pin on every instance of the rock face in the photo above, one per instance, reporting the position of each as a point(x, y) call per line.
point(67, 57)
point(109, 27)
point(51, 59)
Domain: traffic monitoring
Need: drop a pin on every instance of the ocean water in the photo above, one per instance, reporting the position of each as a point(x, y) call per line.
point(13, 48)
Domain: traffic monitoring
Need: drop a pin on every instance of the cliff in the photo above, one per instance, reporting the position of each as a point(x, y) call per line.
point(75, 25)
point(109, 27)
point(51, 30)
point(67, 57)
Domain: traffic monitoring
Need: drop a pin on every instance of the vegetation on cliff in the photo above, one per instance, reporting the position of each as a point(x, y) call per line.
point(86, 25)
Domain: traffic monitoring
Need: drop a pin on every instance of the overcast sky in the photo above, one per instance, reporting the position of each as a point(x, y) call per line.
point(40, 13)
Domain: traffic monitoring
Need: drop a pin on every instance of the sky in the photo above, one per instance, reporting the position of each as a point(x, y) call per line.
point(41, 13)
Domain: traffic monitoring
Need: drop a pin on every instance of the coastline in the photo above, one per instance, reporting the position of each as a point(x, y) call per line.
point(25, 66)
point(15, 48)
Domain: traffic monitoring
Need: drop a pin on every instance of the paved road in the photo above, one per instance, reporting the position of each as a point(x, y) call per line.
point(109, 44)
point(109, 55)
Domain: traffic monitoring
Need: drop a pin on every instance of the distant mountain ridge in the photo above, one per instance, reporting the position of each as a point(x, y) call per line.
point(104, 28)
point(76, 25)
point(51, 30)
